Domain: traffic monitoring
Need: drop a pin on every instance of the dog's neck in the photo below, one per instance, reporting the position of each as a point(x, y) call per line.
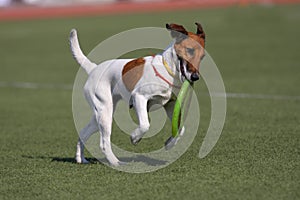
point(171, 60)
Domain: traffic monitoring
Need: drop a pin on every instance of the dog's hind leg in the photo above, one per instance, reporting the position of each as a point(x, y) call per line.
point(140, 104)
point(104, 116)
point(84, 135)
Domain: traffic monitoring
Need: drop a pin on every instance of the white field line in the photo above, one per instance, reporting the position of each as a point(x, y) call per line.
point(257, 96)
point(29, 85)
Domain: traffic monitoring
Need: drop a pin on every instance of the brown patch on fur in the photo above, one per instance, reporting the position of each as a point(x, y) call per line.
point(176, 30)
point(200, 32)
point(197, 38)
point(191, 49)
point(189, 46)
point(132, 72)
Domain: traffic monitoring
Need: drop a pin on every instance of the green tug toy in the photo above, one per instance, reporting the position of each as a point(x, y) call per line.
point(181, 105)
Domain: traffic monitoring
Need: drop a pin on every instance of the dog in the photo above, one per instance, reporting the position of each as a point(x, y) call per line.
point(141, 82)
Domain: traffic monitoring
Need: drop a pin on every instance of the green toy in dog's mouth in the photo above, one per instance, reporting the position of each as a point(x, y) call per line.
point(181, 106)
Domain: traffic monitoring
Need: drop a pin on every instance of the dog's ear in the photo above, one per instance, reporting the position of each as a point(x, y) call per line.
point(177, 31)
point(200, 31)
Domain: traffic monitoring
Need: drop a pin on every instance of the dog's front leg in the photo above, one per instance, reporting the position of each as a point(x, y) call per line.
point(140, 104)
point(169, 107)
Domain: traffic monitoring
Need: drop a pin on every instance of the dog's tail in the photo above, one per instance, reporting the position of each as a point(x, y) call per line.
point(81, 59)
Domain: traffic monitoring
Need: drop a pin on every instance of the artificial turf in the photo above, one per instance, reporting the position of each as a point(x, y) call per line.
point(257, 157)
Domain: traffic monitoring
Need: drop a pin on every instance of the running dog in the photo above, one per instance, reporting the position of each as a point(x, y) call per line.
point(141, 82)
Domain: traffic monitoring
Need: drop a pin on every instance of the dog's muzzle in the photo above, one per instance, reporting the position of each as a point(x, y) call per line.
point(183, 64)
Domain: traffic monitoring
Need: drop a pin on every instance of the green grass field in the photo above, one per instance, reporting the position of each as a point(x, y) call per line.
point(257, 157)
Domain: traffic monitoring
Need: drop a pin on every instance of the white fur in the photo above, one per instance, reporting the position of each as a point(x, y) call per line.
point(104, 88)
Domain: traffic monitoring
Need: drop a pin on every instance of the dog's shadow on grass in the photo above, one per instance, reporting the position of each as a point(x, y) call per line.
point(140, 158)
point(144, 159)
point(71, 160)
point(59, 159)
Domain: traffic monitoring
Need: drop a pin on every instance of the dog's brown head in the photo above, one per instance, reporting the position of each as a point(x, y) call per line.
point(189, 48)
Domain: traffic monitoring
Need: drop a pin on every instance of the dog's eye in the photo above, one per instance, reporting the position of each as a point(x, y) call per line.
point(190, 51)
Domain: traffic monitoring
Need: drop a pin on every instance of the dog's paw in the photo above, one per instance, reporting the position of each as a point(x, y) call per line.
point(135, 139)
point(171, 142)
point(81, 160)
point(117, 163)
point(122, 163)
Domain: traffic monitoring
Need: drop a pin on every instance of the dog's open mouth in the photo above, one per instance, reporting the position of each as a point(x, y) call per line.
point(185, 73)
point(182, 66)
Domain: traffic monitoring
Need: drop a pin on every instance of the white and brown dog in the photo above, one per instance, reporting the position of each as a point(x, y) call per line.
point(141, 82)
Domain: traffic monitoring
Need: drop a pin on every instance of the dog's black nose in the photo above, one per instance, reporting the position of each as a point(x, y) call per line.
point(194, 77)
